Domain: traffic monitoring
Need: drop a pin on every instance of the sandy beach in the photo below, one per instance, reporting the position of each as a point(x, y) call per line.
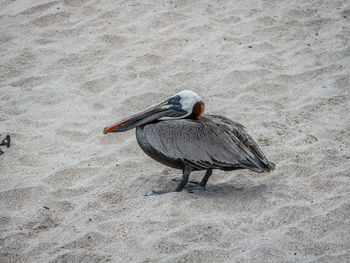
point(69, 68)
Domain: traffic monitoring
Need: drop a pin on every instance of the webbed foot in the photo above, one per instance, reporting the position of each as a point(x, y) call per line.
point(156, 193)
point(190, 182)
point(191, 185)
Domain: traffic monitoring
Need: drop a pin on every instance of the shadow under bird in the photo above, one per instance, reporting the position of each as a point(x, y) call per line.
point(177, 134)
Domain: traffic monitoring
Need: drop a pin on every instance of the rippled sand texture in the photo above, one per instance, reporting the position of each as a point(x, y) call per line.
point(69, 68)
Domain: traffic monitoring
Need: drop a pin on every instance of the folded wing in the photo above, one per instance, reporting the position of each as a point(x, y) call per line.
point(210, 142)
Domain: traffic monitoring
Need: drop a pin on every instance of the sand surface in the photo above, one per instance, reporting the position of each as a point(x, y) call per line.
point(70, 68)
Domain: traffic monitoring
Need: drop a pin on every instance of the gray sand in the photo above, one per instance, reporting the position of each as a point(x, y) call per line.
point(70, 68)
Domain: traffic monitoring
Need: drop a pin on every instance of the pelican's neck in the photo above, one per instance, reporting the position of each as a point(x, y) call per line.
point(197, 110)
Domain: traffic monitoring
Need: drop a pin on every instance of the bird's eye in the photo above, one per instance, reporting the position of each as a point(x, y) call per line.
point(175, 100)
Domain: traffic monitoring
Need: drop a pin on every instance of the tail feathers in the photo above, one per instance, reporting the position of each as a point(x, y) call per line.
point(270, 166)
point(263, 167)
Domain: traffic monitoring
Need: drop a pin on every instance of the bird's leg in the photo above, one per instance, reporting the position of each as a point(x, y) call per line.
point(194, 184)
point(205, 178)
point(183, 182)
point(184, 179)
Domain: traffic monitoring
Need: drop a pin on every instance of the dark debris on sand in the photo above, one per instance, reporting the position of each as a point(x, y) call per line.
point(5, 142)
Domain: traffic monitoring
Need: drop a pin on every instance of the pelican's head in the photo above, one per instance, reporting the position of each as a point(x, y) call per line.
point(185, 104)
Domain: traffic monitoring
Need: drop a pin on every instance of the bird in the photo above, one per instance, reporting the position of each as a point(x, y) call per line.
point(177, 134)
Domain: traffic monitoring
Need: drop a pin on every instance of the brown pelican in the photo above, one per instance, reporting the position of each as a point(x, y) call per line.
point(176, 134)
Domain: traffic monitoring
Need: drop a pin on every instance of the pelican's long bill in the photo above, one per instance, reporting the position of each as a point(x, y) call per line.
point(164, 109)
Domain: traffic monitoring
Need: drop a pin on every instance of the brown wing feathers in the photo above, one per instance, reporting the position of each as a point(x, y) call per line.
point(244, 138)
point(209, 142)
